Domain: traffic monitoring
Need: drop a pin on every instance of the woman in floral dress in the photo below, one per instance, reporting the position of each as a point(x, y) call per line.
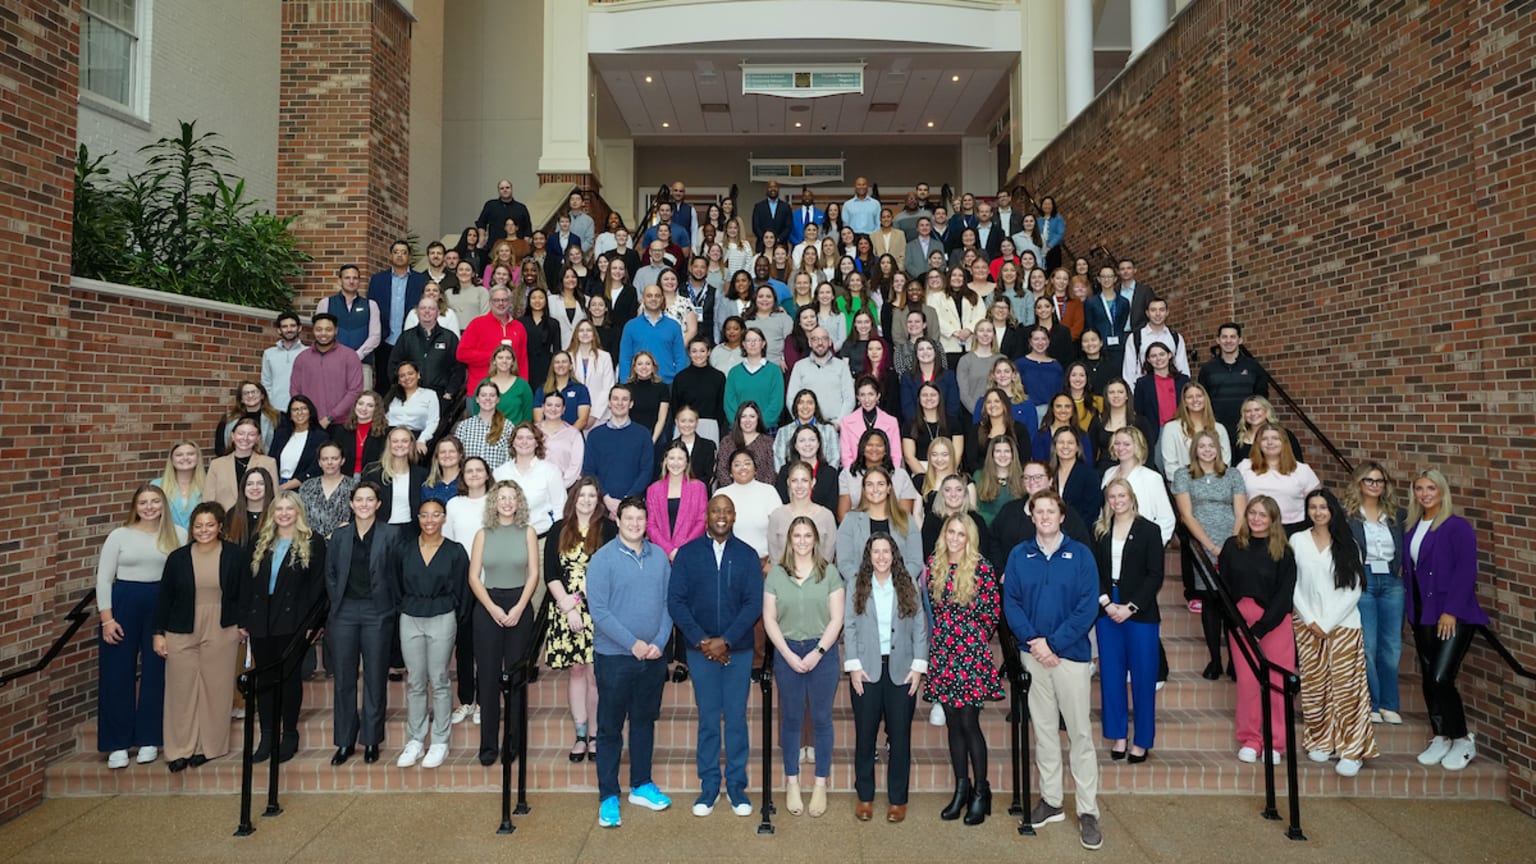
point(962, 673)
point(567, 549)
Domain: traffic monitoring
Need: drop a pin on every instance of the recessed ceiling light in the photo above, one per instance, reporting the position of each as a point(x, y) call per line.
point(954, 77)
point(666, 125)
point(647, 79)
point(797, 124)
point(930, 124)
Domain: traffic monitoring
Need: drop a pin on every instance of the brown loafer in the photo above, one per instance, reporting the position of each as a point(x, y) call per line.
point(865, 811)
point(896, 813)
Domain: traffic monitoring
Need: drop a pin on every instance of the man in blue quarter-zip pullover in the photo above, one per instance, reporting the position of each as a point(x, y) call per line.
point(716, 596)
point(627, 595)
point(1051, 599)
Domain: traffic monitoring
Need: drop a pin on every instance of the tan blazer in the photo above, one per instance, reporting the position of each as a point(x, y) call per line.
point(895, 245)
point(223, 486)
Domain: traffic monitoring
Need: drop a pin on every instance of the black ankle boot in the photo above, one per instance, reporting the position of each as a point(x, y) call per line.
point(957, 804)
point(981, 804)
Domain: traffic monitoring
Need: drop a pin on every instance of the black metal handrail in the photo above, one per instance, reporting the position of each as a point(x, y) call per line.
point(521, 675)
point(765, 680)
point(1264, 670)
point(253, 682)
point(76, 618)
point(1349, 468)
point(1019, 681)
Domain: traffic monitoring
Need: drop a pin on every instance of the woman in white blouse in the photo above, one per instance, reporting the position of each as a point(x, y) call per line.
point(1129, 450)
point(412, 406)
point(1194, 415)
point(592, 366)
point(539, 480)
point(1330, 647)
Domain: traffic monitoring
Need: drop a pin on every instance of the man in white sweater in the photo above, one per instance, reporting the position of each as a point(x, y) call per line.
point(826, 375)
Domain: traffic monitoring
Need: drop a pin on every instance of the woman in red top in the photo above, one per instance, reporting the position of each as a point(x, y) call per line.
point(1159, 390)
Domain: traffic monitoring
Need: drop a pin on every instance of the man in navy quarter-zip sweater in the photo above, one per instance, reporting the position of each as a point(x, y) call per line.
point(715, 597)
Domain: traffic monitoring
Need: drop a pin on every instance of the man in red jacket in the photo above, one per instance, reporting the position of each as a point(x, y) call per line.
point(491, 331)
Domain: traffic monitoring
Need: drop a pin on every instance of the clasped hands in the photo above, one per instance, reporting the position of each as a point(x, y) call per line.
point(1042, 652)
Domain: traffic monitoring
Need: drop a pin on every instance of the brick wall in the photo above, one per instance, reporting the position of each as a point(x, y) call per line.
point(343, 133)
point(1352, 181)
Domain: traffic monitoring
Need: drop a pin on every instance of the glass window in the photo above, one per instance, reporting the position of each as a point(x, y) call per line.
point(109, 46)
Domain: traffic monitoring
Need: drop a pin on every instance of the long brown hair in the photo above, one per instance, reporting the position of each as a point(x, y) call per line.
point(237, 526)
point(1276, 541)
point(864, 579)
point(570, 532)
point(818, 563)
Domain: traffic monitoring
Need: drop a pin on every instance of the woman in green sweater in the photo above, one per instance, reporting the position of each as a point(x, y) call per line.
point(756, 380)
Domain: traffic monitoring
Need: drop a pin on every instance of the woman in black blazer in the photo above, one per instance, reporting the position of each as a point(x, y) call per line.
point(1158, 365)
point(701, 451)
point(1074, 476)
point(294, 468)
point(398, 465)
point(277, 595)
point(195, 619)
point(805, 445)
point(361, 438)
point(1129, 627)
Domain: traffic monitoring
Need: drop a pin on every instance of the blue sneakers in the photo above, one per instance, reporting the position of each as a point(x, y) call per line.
point(608, 813)
point(647, 796)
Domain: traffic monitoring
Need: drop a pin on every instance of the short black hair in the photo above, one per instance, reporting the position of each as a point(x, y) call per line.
point(284, 316)
point(401, 242)
point(631, 502)
point(340, 271)
point(371, 486)
point(436, 244)
point(1230, 325)
point(325, 316)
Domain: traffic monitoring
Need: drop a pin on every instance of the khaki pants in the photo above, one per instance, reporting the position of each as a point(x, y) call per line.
point(1064, 689)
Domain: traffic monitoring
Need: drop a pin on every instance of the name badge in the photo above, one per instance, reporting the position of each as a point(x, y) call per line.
point(1067, 555)
point(1379, 568)
point(1113, 341)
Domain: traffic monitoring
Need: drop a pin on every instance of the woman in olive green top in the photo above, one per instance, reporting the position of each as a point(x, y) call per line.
point(503, 572)
point(803, 617)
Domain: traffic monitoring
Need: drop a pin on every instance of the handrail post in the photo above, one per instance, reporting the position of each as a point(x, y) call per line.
point(245, 828)
point(522, 808)
point(767, 810)
point(274, 755)
point(1021, 736)
point(506, 765)
point(1293, 782)
point(1269, 741)
point(1015, 808)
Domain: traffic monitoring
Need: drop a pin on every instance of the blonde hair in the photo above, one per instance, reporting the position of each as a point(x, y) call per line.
point(965, 566)
point(1351, 499)
point(1447, 504)
point(1277, 540)
point(165, 539)
point(1250, 433)
point(1015, 392)
point(519, 519)
point(266, 535)
point(1106, 519)
point(388, 461)
point(168, 476)
point(932, 480)
point(1218, 467)
point(787, 560)
point(1186, 418)
point(1138, 442)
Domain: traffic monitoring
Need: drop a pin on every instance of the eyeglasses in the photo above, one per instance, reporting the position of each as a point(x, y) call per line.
point(1029, 477)
point(1373, 481)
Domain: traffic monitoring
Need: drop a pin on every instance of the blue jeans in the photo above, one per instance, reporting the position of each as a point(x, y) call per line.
point(1381, 623)
point(1132, 647)
point(627, 689)
point(819, 687)
point(721, 694)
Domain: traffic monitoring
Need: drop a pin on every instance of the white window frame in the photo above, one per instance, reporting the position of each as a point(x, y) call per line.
point(136, 110)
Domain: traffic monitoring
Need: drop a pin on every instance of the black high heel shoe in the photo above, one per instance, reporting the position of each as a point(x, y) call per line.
point(1137, 759)
point(1212, 671)
point(1116, 755)
point(958, 803)
point(981, 804)
point(575, 757)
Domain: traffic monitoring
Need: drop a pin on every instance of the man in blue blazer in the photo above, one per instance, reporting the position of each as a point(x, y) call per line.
point(805, 214)
point(715, 598)
point(396, 291)
point(771, 214)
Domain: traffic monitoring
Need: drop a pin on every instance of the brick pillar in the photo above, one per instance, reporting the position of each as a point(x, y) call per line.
point(344, 133)
point(39, 52)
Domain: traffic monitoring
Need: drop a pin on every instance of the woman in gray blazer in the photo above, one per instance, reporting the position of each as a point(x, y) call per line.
point(877, 512)
point(885, 650)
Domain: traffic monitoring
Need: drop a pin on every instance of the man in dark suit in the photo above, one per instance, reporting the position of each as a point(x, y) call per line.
point(771, 214)
point(559, 242)
point(1137, 293)
point(396, 292)
point(805, 214)
point(989, 234)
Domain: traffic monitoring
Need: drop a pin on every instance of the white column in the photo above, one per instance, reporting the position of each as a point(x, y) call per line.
point(978, 167)
point(1077, 51)
point(1148, 18)
point(1037, 106)
point(567, 89)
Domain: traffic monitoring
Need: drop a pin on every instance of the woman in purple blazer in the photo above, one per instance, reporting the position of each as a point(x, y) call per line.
point(675, 503)
point(1440, 570)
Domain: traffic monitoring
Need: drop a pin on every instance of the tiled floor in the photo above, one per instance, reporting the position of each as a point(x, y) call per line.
point(429, 827)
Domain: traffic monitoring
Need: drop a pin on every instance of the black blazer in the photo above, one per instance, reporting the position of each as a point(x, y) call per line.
point(351, 462)
point(1144, 400)
point(178, 589)
point(375, 472)
point(823, 487)
point(702, 461)
point(282, 611)
point(779, 222)
point(1082, 492)
point(1141, 569)
point(309, 457)
point(382, 553)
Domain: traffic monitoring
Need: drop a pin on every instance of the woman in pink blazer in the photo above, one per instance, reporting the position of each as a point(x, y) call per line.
point(866, 415)
point(675, 504)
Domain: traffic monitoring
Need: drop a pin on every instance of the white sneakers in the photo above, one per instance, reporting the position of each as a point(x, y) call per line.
point(477, 717)
point(461, 713)
point(1376, 717)
point(1392, 717)
point(1248, 754)
point(1462, 751)
point(117, 759)
point(1436, 751)
point(742, 809)
point(1348, 767)
point(435, 756)
point(147, 755)
point(410, 754)
point(936, 716)
point(1319, 755)
point(704, 808)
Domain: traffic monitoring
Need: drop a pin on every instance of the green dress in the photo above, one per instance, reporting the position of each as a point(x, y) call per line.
point(516, 404)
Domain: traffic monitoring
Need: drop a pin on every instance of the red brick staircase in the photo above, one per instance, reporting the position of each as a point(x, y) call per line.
point(1195, 751)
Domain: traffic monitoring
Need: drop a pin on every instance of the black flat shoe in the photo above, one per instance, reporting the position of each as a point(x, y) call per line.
point(1117, 755)
point(177, 765)
point(370, 753)
point(198, 760)
point(1212, 671)
point(679, 674)
point(342, 755)
point(1136, 759)
point(575, 757)
point(396, 676)
point(487, 759)
point(262, 753)
point(289, 749)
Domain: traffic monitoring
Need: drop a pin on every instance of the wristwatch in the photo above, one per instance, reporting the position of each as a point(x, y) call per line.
point(821, 649)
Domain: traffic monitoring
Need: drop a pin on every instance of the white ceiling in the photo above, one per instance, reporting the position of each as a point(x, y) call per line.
point(957, 94)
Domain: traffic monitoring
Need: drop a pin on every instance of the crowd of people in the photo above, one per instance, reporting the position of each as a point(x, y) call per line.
point(856, 441)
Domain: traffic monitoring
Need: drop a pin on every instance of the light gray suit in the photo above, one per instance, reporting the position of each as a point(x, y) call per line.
point(915, 261)
point(854, 533)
